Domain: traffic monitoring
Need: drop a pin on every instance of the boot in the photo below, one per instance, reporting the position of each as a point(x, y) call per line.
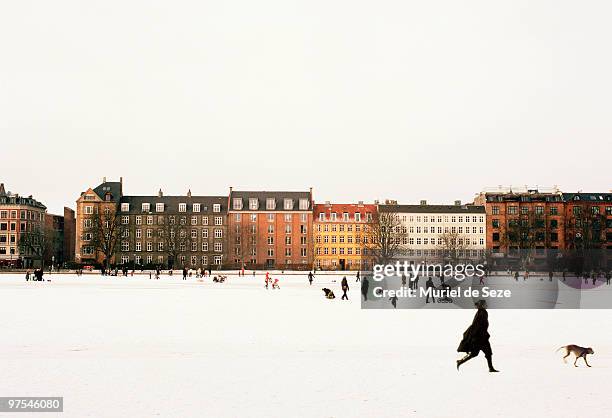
point(463, 360)
point(490, 363)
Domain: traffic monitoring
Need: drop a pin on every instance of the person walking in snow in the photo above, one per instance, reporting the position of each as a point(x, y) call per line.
point(275, 284)
point(476, 337)
point(358, 277)
point(310, 277)
point(429, 284)
point(345, 288)
point(365, 285)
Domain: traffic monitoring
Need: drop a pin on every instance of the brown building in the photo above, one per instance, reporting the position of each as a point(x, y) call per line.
point(22, 238)
point(270, 229)
point(95, 204)
point(60, 239)
point(152, 231)
point(341, 236)
point(521, 219)
point(588, 224)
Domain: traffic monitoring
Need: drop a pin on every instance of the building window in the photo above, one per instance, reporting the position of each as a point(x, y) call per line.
point(321, 217)
point(218, 220)
point(270, 203)
point(146, 207)
point(218, 247)
point(216, 208)
point(196, 207)
point(253, 204)
point(125, 207)
point(237, 203)
point(218, 233)
point(182, 207)
point(159, 207)
point(288, 204)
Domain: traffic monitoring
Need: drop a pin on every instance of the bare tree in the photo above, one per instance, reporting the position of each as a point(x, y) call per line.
point(39, 243)
point(243, 239)
point(385, 237)
point(176, 238)
point(453, 245)
point(106, 230)
point(523, 233)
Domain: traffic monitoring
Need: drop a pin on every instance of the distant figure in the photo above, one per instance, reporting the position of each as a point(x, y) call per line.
point(608, 276)
point(184, 273)
point(358, 277)
point(526, 276)
point(329, 294)
point(550, 276)
point(275, 284)
point(516, 275)
point(28, 276)
point(267, 280)
point(429, 284)
point(365, 284)
point(345, 288)
point(476, 337)
point(310, 277)
point(393, 301)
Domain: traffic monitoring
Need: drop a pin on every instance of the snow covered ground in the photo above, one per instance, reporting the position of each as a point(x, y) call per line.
point(134, 347)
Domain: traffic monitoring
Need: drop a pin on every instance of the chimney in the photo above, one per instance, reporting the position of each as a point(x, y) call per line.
point(189, 193)
point(376, 202)
point(2, 191)
point(423, 203)
point(121, 180)
point(104, 179)
point(457, 202)
point(327, 203)
point(360, 203)
point(160, 193)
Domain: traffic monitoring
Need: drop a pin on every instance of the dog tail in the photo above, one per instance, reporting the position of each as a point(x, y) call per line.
point(563, 346)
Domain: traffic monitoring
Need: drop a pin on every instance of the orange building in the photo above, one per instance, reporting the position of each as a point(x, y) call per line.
point(340, 235)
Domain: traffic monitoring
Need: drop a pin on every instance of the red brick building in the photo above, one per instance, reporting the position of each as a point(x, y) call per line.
point(270, 229)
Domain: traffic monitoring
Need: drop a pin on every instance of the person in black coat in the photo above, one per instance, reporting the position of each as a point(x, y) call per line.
point(476, 337)
point(365, 285)
point(345, 288)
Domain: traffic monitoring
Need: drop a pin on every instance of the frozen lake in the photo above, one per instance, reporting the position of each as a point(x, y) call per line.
point(134, 347)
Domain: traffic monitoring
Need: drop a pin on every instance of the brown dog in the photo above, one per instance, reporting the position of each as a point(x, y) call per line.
point(578, 352)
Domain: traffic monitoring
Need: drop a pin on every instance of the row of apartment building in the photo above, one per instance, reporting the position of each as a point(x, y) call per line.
point(283, 229)
point(30, 236)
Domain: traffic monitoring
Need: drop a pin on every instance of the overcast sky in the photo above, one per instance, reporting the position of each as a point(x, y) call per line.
point(362, 100)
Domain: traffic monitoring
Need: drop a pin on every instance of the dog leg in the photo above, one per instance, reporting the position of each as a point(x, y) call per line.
point(585, 360)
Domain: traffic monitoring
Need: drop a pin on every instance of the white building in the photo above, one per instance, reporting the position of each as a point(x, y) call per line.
point(430, 232)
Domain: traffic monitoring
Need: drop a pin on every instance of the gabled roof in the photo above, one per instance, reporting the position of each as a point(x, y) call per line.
point(112, 187)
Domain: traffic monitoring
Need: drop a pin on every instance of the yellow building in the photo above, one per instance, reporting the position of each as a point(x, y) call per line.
point(340, 236)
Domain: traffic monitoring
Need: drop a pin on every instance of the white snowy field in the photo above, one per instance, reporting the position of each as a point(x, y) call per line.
point(134, 347)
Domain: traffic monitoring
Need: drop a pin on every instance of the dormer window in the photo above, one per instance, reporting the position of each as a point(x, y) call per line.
point(182, 207)
point(159, 207)
point(333, 216)
point(288, 204)
point(253, 204)
point(237, 203)
point(270, 203)
point(303, 204)
point(216, 207)
point(146, 207)
point(358, 217)
point(125, 207)
point(345, 216)
point(196, 207)
point(322, 217)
